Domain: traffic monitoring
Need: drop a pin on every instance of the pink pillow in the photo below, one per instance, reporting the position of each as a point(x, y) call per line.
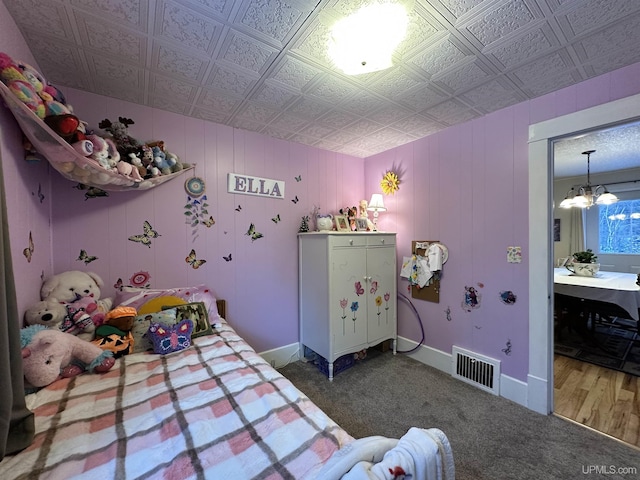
point(137, 297)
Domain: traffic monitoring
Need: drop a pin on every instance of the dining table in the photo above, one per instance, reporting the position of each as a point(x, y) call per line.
point(617, 288)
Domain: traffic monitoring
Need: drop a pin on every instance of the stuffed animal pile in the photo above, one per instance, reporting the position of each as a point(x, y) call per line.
point(114, 151)
point(150, 159)
point(60, 337)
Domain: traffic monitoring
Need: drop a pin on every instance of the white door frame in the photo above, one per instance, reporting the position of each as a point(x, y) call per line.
point(540, 377)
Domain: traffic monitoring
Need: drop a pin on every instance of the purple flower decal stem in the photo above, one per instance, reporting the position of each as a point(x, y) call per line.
point(387, 296)
point(343, 305)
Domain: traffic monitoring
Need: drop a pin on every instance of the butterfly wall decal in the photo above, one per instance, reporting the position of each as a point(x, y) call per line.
point(238, 208)
point(359, 289)
point(146, 237)
point(276, 219)
point(209, 222)
point(295, 199)
point(227, 259)
point(94, 192)
point(298, 178)
point(28, 252)
point(253, 234)
point(85, 257)
point(40, 194)
point(118, 285)
point(193, 261)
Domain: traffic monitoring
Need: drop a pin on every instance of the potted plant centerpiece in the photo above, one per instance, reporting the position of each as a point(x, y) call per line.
point(584, 263)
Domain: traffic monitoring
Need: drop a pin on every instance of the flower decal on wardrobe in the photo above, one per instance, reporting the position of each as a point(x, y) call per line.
point(354, 309)
point(343, 305)
point(378, 304)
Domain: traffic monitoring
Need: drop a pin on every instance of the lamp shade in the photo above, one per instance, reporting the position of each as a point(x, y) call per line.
point(376, 203)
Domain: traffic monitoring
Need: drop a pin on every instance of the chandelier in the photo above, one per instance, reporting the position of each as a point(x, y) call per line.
point(587, 195)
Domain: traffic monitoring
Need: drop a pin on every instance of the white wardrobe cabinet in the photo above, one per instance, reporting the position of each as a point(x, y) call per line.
point(347, 292)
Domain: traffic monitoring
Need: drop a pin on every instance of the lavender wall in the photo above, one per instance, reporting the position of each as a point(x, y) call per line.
point(260, 282)
point(467, 186)
point(22, 183)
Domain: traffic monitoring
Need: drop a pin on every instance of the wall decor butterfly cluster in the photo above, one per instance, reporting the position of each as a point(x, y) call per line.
point(85, 257)
point(196, 212)
point(193, 261)
point(28, 252)
point(253, 233)
point(146, 236)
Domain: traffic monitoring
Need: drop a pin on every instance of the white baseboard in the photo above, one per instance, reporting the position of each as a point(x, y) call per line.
point(281, 356)
point(510, 388)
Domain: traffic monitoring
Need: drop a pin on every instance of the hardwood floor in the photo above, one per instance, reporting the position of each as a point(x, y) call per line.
point(605, 400)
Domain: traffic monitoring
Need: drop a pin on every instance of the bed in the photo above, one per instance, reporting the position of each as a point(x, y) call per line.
point(215, 410)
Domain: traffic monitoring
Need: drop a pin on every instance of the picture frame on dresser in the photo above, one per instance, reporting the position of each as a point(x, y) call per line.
point(342, 223)
point(361, 224)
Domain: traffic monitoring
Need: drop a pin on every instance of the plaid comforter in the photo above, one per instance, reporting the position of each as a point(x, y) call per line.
point(214, 411)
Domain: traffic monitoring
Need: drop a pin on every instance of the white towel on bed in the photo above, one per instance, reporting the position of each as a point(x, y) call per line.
point(421, 454)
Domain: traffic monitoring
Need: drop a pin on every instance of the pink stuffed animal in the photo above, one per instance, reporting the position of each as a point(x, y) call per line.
point(49, 354)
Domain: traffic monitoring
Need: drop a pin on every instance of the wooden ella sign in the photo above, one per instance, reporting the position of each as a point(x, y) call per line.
point(249, 185)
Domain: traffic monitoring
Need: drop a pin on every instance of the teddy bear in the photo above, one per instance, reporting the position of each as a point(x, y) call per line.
point(70, 318)
point(49, 354)
point(70, 286)
point(49, 313)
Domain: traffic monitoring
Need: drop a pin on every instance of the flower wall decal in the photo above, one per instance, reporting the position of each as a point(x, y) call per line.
point(354, 309)
point(390, 183)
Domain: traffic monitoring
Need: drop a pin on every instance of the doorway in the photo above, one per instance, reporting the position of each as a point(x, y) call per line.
point(590, 387)
point(540, 377)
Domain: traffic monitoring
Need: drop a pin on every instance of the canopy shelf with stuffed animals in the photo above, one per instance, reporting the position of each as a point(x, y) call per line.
point(70, 163)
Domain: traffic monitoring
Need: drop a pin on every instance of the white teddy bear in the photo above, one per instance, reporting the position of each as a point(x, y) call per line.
point(73, 286)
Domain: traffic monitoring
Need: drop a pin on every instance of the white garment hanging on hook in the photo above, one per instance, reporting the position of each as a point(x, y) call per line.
point(435, 257)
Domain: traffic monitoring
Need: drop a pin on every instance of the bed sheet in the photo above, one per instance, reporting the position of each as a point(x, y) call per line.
point(216, 410)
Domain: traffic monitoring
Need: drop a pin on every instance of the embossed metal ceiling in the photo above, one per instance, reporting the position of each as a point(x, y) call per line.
point(261, 65)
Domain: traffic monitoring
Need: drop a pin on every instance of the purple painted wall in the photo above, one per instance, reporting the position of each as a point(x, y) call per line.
point(22, 183)
point(260, 282)
point(467, 186)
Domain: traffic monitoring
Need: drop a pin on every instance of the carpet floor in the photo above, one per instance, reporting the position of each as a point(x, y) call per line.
point(491, 437)
point(613, 344)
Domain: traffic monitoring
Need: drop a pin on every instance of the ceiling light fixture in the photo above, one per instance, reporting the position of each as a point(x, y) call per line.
point(586, 196)
point(365, 41)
